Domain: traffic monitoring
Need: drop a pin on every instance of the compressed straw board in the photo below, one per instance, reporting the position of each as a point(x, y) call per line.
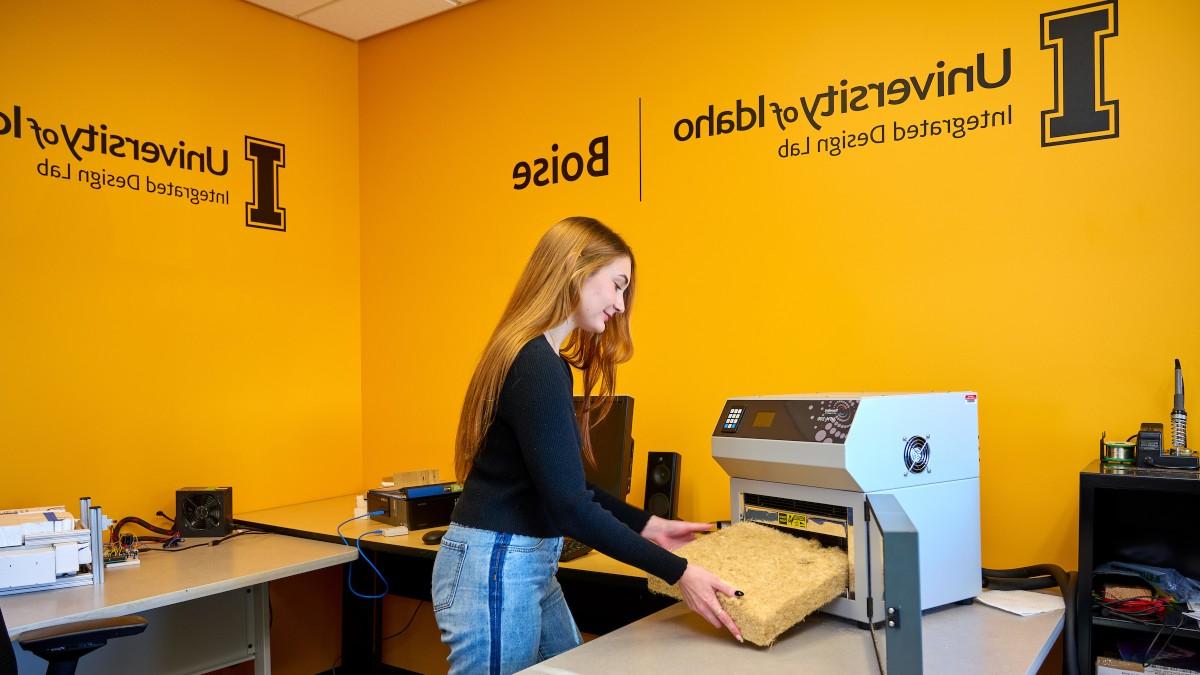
point(784, 578)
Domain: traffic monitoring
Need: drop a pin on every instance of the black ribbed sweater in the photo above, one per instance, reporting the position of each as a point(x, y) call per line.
point(528, 477)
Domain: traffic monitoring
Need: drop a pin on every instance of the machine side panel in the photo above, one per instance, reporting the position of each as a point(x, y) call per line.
point(947, 519)
point(886, 429)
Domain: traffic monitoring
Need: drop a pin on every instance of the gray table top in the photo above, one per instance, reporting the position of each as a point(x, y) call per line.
point(675, 641)
point(167, 578)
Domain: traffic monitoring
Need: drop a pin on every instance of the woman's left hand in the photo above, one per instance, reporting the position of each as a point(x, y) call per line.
point(671, 534)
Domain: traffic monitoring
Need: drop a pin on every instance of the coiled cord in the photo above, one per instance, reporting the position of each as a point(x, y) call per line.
point(1178, 429)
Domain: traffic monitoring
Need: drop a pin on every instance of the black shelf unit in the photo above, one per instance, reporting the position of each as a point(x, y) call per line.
point(1138, 515)
point(1126, 624)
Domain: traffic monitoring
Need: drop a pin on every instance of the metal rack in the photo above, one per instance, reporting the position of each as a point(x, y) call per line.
point(89, 528)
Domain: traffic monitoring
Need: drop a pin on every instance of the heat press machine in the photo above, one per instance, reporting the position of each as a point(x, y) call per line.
point(891, 479)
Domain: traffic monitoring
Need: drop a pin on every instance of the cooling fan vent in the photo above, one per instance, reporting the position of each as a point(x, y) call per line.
point(204, 512)
point(916, 454)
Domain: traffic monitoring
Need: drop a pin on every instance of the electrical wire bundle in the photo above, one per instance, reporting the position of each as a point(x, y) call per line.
point(1144, 609)
point(124, 551)
point(1138, 608)
point(169, 538)
point(213, 542)
point(166, 537)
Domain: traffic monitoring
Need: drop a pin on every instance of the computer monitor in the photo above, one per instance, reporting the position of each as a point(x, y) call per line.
point(612, 445)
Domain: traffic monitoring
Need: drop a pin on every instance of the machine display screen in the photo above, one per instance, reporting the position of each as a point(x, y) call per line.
point(763, 419)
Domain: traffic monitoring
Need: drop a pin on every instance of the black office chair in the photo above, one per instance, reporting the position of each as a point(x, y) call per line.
point(62, 646)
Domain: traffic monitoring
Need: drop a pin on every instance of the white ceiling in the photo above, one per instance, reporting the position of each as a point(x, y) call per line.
point(358, 19)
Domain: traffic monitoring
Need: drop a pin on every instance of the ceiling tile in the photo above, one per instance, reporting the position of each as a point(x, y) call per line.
point(289, 7)
point(358, 19)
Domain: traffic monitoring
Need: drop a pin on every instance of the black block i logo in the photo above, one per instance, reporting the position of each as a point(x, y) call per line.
point(264, 211)
point(1081, 112)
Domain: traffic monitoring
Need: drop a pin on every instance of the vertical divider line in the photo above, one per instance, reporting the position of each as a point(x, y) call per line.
point(639, 148)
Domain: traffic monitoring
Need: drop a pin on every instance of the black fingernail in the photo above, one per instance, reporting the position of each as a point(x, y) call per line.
point(738, 593)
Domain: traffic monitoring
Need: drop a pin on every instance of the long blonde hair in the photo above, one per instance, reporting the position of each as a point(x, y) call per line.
point(546, 295)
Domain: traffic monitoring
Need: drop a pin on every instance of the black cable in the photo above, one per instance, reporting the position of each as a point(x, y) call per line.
point(875, 645)
point(214, 542)
point(410, 620)
point(333, 668)
point(1040, 576)
point(1154, 465)
point(1109, 607)
point(1146, 657)
point(1027, 573)
point(1150, 616)
point(239, 533)
point(1166, 644)
point(1070, 619)
point(174, 550)
point(134, 520)
point(1022, 584)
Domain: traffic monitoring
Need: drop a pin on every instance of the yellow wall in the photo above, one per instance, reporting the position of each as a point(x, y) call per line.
point(150, 344)
point(1057, 282)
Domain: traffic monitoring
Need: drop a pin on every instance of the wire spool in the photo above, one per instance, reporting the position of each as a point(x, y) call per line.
point(1118, 452)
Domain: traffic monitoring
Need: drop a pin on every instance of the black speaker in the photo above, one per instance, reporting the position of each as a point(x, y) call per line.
point(662, 483)
point(204, 512)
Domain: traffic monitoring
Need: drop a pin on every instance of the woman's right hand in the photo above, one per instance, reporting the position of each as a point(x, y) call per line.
point(699, 588)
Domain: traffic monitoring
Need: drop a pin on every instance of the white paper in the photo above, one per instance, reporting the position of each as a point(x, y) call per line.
point(1023, 603)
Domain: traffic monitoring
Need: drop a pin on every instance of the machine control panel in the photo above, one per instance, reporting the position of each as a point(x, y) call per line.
point(733, 418)
point(809, 420)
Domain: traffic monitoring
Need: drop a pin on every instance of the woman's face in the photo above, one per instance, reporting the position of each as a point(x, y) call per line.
point(603, 295)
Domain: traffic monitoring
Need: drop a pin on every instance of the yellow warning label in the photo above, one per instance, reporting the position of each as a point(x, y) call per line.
point(793, 520)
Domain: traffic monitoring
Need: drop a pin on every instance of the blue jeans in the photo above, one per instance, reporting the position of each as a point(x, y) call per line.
point(497, 603)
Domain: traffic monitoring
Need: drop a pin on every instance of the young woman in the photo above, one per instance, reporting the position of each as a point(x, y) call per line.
point(521, 451)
